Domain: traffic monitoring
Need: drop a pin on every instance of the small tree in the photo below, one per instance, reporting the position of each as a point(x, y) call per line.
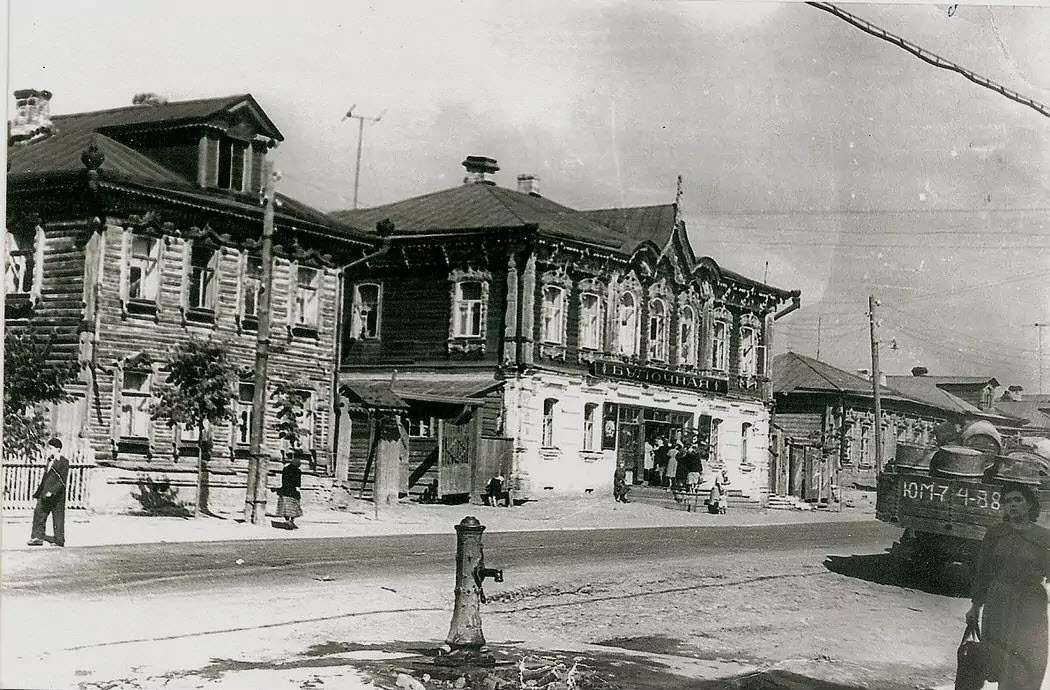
point(290, 403)
point(198, 392)
point(31, 383)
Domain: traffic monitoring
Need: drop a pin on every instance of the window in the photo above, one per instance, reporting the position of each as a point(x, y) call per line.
point(687, 336)
point(364, 322)
point(549, 406)
point(657, 330)
point(554, 315)
point(748, 351)
point(712, 447)
point(134, 404)
point(143, 276)
point(251, 287)
point(307, 416)
point(468, 307)
point(745, 434)
point(590, 321)
point(865, 444)
point(203, 261)
point(720, 346)
point(189, 434)
point(20, 264)
point(306, 297)
point(231, 165)
point(242, 432)
point(590, 426)
point(421, 425)
point(627, 325)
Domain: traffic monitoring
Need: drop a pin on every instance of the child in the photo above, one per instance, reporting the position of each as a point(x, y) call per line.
point(716, 502)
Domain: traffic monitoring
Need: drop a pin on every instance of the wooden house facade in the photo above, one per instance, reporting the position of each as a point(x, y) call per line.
point(130, 230)
point(557, 340)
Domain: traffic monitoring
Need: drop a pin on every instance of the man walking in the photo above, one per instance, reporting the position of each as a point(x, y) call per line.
point(51, 496)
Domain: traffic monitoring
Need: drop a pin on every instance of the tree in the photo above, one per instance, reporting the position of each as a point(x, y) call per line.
point(199, 393)
point(31, 382)
point(290, 402)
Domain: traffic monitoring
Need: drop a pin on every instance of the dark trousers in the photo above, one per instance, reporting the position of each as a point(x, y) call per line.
point(56, 508)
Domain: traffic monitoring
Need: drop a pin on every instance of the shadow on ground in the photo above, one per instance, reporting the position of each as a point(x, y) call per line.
point(597, 670)
point(951, 580)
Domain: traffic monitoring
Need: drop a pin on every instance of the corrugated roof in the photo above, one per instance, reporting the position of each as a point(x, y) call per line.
point(793, 372)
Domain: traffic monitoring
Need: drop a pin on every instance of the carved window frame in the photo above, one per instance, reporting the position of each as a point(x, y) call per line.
point(468, 342)
point(657, 329)
point(553, 280)
point(590, 287)
point(629, 285)
point(358, 318)
point(750, 331)
point(722, 320)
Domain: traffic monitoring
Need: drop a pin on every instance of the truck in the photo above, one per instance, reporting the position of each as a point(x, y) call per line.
point(944, 517)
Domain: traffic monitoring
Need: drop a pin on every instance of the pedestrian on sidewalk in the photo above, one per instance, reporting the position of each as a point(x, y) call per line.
point(620, 485)
point(716, 500)
point(1009, 595)
point(50, 496)
point(672, 464)
point(288, 495)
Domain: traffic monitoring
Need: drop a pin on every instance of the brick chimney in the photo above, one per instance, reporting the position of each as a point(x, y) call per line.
point(32, 116)
point(529, 184)
point(919, 371)
point(478, 170)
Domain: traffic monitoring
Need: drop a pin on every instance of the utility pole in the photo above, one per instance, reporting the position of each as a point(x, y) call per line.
point(1039, 329)
point(875, 387)
point(258, 460)
point(360, 137)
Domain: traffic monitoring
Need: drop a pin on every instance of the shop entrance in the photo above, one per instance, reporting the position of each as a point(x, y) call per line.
point(638, 425)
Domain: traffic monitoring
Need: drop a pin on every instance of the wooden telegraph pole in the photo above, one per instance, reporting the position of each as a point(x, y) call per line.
point(258, 459)
point(875, 387)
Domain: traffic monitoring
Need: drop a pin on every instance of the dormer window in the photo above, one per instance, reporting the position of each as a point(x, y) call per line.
point(231, 165)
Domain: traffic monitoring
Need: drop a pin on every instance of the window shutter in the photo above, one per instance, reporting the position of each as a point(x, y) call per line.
point(125, 258)
point(38, 264)
point(242, 266)
point(216, 282)
point(211, 162)
point(184, 281)
point(257, 166)
point(162, 246)
point(293, 282)
point(114, 421)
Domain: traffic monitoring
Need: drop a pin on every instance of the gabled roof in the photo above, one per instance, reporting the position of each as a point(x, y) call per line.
point(59, 155)
point(483, 206)
point(175, 113)
point(794, 372)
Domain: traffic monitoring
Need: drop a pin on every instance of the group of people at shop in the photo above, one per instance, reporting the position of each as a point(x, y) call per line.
point(675, 465)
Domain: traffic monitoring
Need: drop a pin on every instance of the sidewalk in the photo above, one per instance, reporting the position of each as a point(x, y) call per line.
point(361, 519)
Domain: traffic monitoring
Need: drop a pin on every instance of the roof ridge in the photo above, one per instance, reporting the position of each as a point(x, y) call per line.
point(143, 106)
point(492, 191)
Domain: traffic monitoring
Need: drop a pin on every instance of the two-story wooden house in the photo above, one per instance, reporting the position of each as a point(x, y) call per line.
point(132, 229)
point(577, 335)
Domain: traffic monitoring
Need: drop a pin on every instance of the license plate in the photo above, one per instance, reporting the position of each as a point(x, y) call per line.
point(962, 496)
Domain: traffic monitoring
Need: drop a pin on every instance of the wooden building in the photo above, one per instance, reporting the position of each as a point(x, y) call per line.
point(826, 419)
point(547, 344)
point(132, 229)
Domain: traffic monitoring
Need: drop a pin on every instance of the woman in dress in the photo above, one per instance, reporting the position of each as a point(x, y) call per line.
point(1009, 596)
point(288, 495)
point(716, 500)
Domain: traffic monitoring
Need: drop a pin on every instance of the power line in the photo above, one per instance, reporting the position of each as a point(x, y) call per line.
point(929, 57)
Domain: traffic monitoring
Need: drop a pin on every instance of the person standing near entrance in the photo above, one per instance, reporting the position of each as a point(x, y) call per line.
point(288, 496)
point(50, 496)
point(660, 461)
point(647, 460)
point(672, 464)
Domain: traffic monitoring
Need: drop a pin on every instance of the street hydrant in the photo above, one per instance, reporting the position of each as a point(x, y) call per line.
point(464, 635)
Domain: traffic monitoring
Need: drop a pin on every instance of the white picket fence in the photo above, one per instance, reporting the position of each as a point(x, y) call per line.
point(22, 475)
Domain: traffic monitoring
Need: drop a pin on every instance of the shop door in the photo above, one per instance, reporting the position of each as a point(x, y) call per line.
point(454, 456)
point(813, 474)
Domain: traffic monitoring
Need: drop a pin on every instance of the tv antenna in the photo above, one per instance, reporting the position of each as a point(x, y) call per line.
point(361, 119)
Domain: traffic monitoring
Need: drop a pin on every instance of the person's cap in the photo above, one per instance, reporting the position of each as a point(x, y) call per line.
point(56, 443)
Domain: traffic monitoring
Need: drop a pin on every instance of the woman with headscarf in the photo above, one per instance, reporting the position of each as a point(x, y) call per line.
point(716, 500)
point(288, 496)
point(1009, 595)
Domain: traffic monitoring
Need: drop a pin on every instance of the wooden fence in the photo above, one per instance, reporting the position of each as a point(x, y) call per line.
point(21, 476)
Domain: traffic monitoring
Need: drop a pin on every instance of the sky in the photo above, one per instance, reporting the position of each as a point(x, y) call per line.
point(813, 156)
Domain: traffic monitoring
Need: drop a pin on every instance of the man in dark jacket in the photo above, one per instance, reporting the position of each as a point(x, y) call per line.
point(50, 496)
